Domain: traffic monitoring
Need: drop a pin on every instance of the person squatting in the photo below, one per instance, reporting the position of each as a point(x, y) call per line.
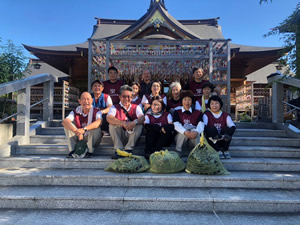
point(125, 112)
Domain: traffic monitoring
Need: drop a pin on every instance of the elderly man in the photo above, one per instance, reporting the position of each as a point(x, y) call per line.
point(83, 124)
point(125, 122)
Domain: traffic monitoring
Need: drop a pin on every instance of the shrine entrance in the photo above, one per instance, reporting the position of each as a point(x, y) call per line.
point(167, 61)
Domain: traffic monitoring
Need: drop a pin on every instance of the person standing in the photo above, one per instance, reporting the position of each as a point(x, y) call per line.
point(195, 85)
point(145, 83)
point(125, 122)
point(83, 123)
point(112, 86)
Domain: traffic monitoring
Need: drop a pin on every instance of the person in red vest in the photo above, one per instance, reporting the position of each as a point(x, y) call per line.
point(219, 127)
point(202, 103)
point(125, 122)
point(101, 101)
point(195, 85)
point(135, 93)
point(187, 123)
point(174, 102)
point(159, 127)
point(83, 123)
point(112, 86)
point(156, 90)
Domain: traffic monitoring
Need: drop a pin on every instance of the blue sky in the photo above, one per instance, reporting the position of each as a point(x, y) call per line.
point(63, 22)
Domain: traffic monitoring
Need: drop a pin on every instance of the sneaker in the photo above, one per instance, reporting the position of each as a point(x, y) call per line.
point(69, 155)
point(88, 155)
point(227, 155)
point(221, 155)
point(115, 155)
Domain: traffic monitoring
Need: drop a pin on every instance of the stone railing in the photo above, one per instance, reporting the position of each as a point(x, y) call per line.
point(22, 87)
point(278, 80)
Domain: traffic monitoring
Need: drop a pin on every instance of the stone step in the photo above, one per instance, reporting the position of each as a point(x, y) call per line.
point(98, 177)
point(238, 133)
point(105, 149)
point(265, 141)
point(156, 199)
point(51, 131)
point(254, 125)
point(92, 217)
point(236, 141)
point(100, 162)
point(259, 133)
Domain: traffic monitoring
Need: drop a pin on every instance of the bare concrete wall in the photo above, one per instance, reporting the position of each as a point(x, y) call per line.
point(6, 132)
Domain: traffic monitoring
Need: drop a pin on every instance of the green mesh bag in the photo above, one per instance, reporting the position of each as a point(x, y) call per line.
point(129, 164)
point(205, 160)
point(166, 162)
point(81, 149)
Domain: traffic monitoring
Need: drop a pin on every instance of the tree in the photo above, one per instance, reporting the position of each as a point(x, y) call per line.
point(13, 64)
point(290, 29)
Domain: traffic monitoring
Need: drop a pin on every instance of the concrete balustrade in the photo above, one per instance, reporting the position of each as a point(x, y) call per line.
point(22, 87)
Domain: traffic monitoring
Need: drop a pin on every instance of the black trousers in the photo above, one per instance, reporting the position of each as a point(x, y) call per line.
point(213, 132)
point(156, 140)
point(104, 125)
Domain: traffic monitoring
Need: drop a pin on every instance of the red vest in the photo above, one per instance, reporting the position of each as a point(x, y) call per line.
point(196, 88)
point(150, 98)
point(161, 121)
point(120, 115)
point(81, 121)
point(219, 123)
point(173, 104)
point(113, 90)
point(137, 101)
point(192, 118)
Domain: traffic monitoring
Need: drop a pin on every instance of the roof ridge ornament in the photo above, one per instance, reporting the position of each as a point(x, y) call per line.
point(154, 2)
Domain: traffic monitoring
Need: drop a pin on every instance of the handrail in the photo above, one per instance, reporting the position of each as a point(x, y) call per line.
point(15, 114)
point(17, 85)
point(278, 80)
point(23, 89)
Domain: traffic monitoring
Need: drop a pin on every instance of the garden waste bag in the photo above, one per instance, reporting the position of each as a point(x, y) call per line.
point(129, 164)
point(166, 162)
point(203, 159)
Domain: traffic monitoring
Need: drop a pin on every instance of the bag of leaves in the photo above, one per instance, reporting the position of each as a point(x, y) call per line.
point(81, 149)
point(128, 164)
point(203, 159)
point(166, 162)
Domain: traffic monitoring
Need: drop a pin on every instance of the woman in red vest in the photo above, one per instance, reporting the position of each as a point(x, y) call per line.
point(156, 90)
point(202, 103)
point(219, 127)
point(187, 122)
point(174, 101)
point(159, 127)
point(136, 87)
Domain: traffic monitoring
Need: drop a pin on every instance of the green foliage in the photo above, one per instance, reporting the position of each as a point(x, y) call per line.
point(290, 31)
point(12, 62)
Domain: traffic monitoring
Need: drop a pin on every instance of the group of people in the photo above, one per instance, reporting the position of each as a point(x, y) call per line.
point(125, 111)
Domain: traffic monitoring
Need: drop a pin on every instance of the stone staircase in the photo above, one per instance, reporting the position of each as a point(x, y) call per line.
point(265, 178)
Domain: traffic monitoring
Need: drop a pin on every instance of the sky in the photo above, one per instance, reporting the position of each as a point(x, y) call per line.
point(64, 22)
